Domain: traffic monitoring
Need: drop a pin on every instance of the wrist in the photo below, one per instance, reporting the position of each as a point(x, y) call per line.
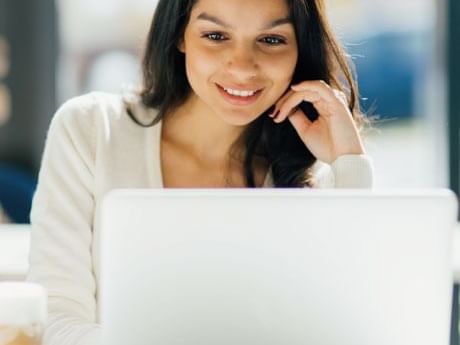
point(349, 151)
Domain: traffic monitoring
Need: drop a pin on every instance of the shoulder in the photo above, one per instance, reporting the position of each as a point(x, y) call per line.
point(101, 114)
point(87, 109)
point(82, 123)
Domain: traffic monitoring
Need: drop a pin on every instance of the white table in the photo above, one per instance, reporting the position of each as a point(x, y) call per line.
point(14, 251)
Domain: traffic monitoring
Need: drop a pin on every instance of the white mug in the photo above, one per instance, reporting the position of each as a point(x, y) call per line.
point(23, 309)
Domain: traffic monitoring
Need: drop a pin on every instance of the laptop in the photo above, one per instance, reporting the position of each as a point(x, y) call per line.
point(276, 267)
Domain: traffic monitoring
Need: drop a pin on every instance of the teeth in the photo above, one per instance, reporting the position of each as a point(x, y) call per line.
point(240, 93)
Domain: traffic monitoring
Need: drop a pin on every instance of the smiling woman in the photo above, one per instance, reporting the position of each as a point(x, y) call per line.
point(215, 72)
point(236, 93)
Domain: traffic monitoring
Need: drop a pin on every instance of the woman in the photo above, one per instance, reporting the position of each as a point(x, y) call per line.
point(221, 106)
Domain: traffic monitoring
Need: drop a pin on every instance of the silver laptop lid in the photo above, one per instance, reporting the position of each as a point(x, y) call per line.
point(276, 267)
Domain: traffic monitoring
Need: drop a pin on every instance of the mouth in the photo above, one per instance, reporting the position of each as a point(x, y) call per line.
point(238, 96)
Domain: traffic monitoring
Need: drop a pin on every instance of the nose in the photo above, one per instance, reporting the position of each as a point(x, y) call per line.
point(241, 64)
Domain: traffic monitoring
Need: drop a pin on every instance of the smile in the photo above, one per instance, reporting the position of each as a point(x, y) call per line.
point(239, 97)
point(240, 93)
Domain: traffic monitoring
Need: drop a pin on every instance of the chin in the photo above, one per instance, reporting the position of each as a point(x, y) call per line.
point(239, 118)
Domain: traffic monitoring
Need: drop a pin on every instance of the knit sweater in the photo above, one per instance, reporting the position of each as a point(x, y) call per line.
point(93, 147)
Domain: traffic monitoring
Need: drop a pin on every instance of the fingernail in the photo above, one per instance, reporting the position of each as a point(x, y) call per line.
point(277, 116)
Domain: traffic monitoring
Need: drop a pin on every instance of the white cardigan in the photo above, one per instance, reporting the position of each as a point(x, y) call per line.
point(91, 148)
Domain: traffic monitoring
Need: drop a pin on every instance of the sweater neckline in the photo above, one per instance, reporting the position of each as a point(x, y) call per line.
point(156, 174)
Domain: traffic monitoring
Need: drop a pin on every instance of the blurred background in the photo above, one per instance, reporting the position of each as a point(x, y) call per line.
point(53, 50)
point(406, 54)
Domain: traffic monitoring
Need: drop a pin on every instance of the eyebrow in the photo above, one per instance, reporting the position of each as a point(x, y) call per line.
point(215, 20)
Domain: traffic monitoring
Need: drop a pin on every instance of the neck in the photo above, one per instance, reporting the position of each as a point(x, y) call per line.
point(204, 134)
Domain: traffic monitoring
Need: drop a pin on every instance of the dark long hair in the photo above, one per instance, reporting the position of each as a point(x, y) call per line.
point(320, 57)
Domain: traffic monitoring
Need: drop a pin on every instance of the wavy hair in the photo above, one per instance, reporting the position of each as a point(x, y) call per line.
point(320, 57)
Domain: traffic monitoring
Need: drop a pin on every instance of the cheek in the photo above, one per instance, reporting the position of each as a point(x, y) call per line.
point(200, 64)
point(281, 71)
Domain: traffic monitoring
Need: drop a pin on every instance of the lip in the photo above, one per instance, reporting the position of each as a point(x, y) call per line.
point(237, 100)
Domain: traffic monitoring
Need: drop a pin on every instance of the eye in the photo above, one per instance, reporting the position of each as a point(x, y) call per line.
point(214, 36)
point(273, 40)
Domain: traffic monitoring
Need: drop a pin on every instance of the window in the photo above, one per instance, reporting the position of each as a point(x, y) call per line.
point(393, 45)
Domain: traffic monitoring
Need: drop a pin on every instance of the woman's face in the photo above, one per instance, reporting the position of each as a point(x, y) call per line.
point(240, 56)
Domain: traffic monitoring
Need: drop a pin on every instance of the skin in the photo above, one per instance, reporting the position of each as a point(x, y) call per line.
point(226, 44)
point(334, 133)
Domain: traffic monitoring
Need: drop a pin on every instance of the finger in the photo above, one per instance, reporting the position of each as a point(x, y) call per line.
point(341, 96)
point(300, 122)
point(293, 101)
point(336, 100)
point(319, 86)
point(280, 102)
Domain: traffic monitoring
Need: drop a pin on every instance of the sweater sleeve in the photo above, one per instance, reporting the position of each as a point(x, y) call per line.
point(347, 171)
point(62, 222)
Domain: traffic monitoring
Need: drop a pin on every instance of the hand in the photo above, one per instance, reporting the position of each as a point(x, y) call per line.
point(334, 133)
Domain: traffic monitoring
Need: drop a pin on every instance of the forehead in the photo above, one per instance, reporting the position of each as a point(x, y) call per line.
point(249, 12)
